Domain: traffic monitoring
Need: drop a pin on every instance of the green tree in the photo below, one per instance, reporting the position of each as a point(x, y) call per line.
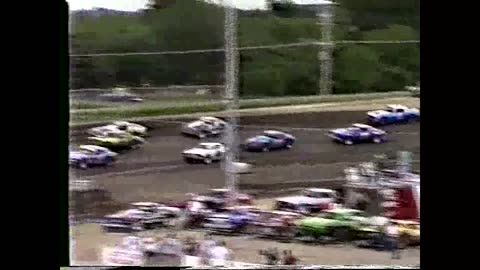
point(374, 14)
point(357, 69)
point(401, 62)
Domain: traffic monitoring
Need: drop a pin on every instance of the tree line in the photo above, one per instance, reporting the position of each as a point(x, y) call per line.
point(176, 25)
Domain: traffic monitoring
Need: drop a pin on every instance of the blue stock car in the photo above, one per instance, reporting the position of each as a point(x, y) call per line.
point(269, 140)
point(358, 133)
point(91, 155)
point(393, 114)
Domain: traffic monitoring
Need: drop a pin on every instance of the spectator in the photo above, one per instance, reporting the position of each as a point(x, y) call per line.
point(271, 255)
point(391, 231)
point(220, 254)
point(204, 249)
point(190, 246)
point(289, 258)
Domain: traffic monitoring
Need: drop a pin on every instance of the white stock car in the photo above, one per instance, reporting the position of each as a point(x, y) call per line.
point(141, 216)
point(205, 152)
point(310, 200)
point(204, 127)
point(393, 114)
point(132, 128)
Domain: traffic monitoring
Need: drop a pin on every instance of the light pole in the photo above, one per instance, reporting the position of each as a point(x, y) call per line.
point(231, 98)
point(325, 57)
point(324, 10)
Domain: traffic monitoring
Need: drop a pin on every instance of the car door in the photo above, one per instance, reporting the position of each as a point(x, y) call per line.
point(399, 115)
point(277, 142)
point(95, 157)
point(219, 127)
point(364, 134)
point(101, 156)
point(218, 153)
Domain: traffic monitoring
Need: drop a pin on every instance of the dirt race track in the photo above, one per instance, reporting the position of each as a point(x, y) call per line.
point(156, 172)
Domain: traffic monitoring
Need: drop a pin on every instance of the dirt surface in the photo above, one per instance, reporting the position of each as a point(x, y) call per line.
point(156, 172)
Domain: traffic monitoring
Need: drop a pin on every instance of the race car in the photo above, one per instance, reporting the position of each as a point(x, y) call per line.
point(85, 156)
point(393, 114)
point(269, 140)
point(204, 127)
point(298, 204)
point(204, 152)
point(132, 128)
point(120, 94)
point(117, 140)
point(409, 232)
point(231, 221)
point(341, 224)
point(358, 133)
point(141, 216)
point(216, 199)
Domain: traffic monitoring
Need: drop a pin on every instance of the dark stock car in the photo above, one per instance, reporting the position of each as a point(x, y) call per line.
point(269, 140)
point(358, 133)
point(142, 216)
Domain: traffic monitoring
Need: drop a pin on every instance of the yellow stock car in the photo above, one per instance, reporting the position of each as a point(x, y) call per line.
point(409, 232)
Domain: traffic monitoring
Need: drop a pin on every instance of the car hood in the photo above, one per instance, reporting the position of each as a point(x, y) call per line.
point(195, 151)
point(378, 113)
point(259, 139)
point(129, 213)
point(138, 128)
point(195, 124)
point(298, 200)
point(77, 155)
point(343, 131)
point(316, 221)
point(414, 110)
point(107, 139)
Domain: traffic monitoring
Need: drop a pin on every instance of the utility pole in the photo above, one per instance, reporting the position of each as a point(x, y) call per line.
point(325, 58)
point(231, 98)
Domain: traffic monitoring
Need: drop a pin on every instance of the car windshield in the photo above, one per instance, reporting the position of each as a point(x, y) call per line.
point(270, 135)
point(82, 151)
point(357, 214)
point(118, 135)
point(204, 146)
point(217, 194)
point(208, 121)
point(313, 194)
point(328, 215)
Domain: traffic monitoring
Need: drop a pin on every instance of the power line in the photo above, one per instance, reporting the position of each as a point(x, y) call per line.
point(273, 46)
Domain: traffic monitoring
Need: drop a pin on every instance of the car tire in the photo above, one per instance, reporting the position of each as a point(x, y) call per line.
point(265, 149)
point(207, 160)
point(377, 140)
point(108, 162)
point(138, 227)
point(382, 122)
point(83, 165)
point(288, 145)
point(348, 142)
point(201, 136)
point(341, 234)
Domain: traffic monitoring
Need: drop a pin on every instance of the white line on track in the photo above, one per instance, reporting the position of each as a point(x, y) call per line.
point(289, 128)
point(143, 170)
point(170, 167)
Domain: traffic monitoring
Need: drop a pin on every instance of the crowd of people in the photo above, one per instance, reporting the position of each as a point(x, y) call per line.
point(209, 252)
